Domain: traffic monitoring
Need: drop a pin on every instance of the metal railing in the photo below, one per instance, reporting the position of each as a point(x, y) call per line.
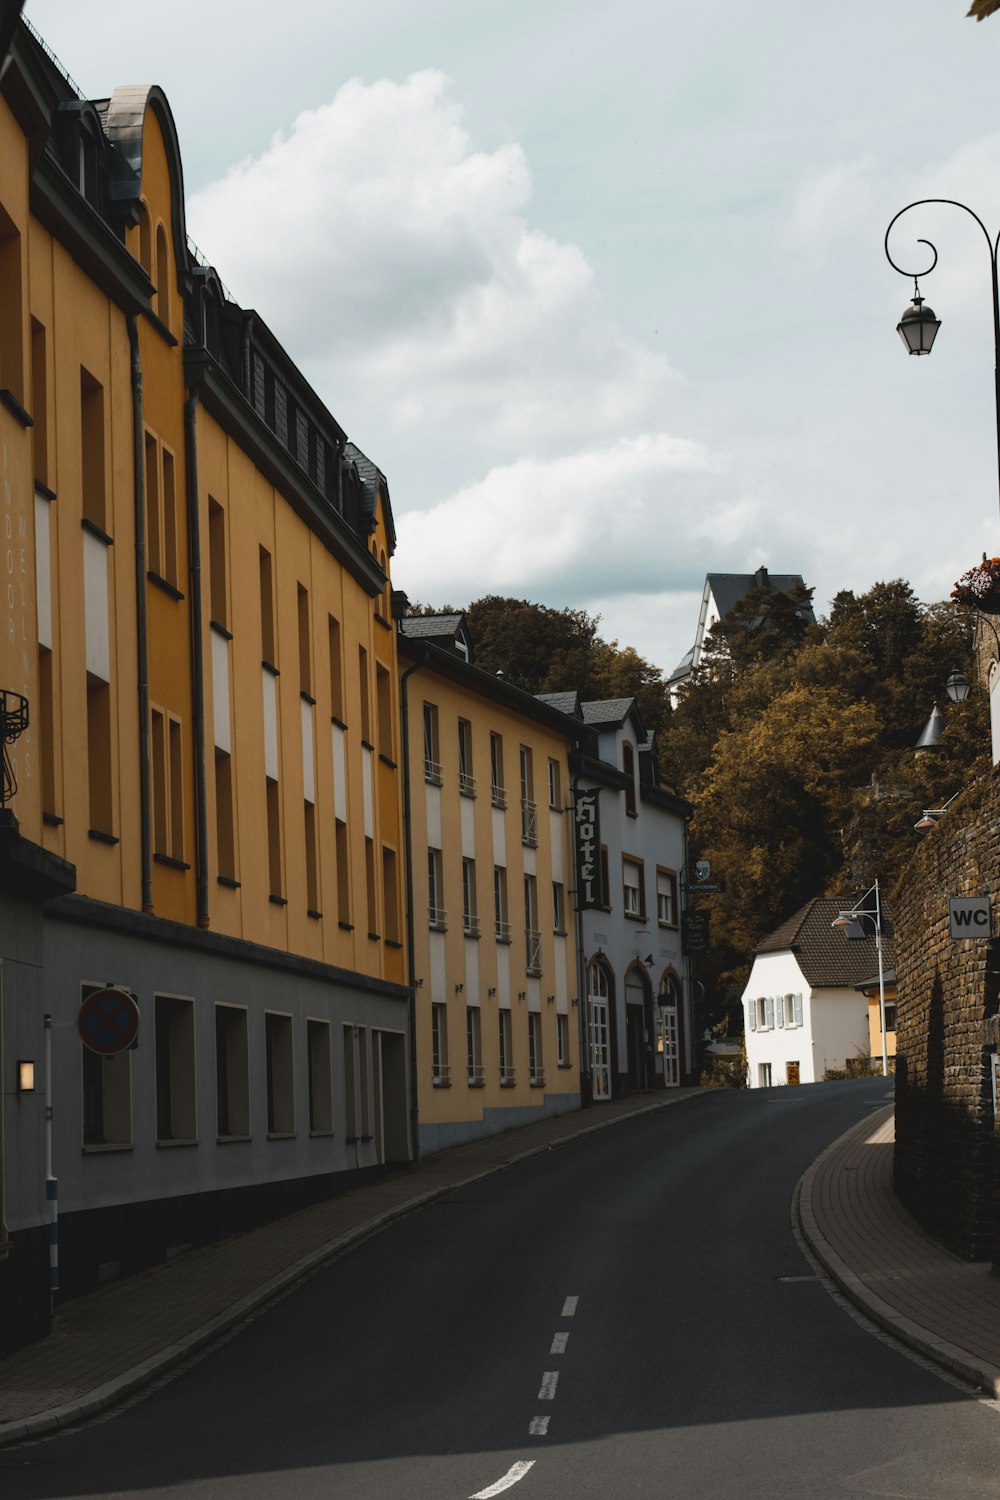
point(477, 1076)
point(529, 821)
point(433, 772)
point(470, 924)
point(503, 931)
point(466, 784)
point(508, 1078)
point(533, 950)
point(498, 794)
point(436, 916)
point(442, 1075)
point(538, 1078)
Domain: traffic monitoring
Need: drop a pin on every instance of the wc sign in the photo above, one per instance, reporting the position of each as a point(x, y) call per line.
point(970, 916)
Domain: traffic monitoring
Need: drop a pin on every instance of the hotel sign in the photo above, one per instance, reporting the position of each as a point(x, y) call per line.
point(587, 832)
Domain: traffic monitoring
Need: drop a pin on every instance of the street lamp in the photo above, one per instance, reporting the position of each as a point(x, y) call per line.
point(918, 325)
point(874, 913)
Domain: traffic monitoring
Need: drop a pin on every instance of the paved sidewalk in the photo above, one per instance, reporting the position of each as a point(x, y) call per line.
point(114, 1341)
point(946, 1308)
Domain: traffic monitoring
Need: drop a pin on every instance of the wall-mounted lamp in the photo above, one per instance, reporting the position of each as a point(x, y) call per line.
point(574, 1001)
point(522, 994)
point(418, 984)
point(25, 1075)
point(459, 988)
point(550, 999)
point(931, 815)
point(648, 960)
point(491, 993)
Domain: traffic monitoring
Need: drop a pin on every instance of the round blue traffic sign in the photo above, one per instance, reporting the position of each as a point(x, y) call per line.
point(108, 1021)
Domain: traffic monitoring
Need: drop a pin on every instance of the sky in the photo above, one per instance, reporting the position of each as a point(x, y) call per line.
point(602, 289)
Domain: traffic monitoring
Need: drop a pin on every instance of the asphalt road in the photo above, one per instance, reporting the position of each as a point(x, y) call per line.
point(628, 1315)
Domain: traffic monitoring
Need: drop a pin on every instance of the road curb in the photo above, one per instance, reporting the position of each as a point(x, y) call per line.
point(114, 1391)
point(983, 1376)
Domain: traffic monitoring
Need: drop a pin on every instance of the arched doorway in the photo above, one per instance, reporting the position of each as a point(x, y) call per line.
point(639, 1028)
point(599, 1027)
point(668, 1029)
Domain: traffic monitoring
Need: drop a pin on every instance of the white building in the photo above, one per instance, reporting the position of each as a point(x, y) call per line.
point(803, 1011)
point(722, 592)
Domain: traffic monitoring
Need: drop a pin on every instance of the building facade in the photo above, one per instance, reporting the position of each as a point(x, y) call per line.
point(208, 814)
point(495, 959)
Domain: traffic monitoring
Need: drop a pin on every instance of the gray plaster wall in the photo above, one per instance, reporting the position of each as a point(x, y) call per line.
point(440, 1137)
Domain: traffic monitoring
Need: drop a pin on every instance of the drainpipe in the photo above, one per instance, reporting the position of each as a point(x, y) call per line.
point(139, 507)
point(583, 1008)
point(404, 704)
point(694, 1041)
point(197, 657)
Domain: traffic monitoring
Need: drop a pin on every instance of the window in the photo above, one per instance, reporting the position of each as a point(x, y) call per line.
point(383, 704)
point(278, 1064)
point(11, 341)
point(305, 642)
point(634, 888)
point(475, 1046)
point(336, 670)
point(500, 903)
point(390, 896)
point(320, 1078)
point(175, 1091)
point(99, 755)
point(529, 812)
point(435, 889)
point(764, 1075)
point(168, 785)
point(558, 907)
point(761, 1012)
point(162, 297)
point(366, 722)
point(39, 403)
point(466, 780)
point(92, 467)
point(535, 1069)
point(562, 1041)
point(218, 598)
point(666, 898)
point(555, 786)
point(232, 1072)
point(497, 792)
point(343, 873)
point(605, 878)
point(507, 1074)
point(439, 1047)
point(628, 766)
point(161, 511)
point(107, 1094)
point(45, 723)
point(312, 860)
point(273, 800)
point(532, 936)
point(470, 916)
point(351, 1130)
point(373, 927)
point(890, 1015)
point(432, 763)
point(268, 643)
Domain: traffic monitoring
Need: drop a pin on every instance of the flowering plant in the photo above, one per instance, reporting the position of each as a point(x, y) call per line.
point(980, 586)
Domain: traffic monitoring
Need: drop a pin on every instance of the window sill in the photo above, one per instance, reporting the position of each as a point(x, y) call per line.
point(499, 803)
point(477, 1083)
point(228, 881)
point(346, 926)
point(634, 916)
point(387, 761)
point(367, 745)
point(533, 973)
point(104, 1147)
point(307, 697)
point(281, 1135)
point(436, 927)
point(317, 916)
point(100, 837)
point(95, 530)
point(472, 936)
point(464, 792)
point(232, 1140)
point(339, 722)
point(164, 585)
point(161, 327)
point(530, 843)
point(374, 937)
point(560, 932)
point(8, 399)
point(508, 1083)
point(220, 630)
point(278, 900)
point(170, 862)
point(442, 1083)
point(44, 491)
point(381, 620)
point(505, 941)
point(564, 1067)
point(630, 812)
point(270, 667)
point(171, 1143)
point(537, 1083)
point(321, 1135)
point(52, 820)
point(669, 926)
point(391, 943)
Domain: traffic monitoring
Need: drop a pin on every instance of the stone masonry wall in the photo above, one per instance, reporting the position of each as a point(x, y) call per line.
point(946, 1019)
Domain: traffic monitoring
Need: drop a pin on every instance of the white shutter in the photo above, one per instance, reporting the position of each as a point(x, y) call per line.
point(752, 1014)
point(769, 1011)
point(781, 1010)
point(797, 1002)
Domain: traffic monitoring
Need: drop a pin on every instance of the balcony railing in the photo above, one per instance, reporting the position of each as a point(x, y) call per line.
point(498, 795)
point(477, 1076)
point(529, 822)
point(442, 1076)
point(533, 950)
point(470, 924)
point(503, 931)
point(508, 1078)
point(433, 772)
point(436, 917)
point(538, 1078)
point(466, 784)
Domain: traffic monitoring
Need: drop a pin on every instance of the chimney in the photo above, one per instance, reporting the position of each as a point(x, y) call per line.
point(760, 578)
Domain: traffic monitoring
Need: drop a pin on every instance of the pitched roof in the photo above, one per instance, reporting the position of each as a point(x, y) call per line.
point(420, 627)
point(826, 956)
point(729, 588)
point(566, 703)
point(371, 478)
point(607, 710)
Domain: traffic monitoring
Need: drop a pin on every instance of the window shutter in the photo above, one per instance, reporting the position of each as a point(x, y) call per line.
point(781, 1010)
point(797, 1002)
point(769, 1011)
point(752, 1014)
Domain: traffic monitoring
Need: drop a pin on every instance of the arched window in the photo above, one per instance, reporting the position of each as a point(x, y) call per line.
point(162, 277)
point(145, 241)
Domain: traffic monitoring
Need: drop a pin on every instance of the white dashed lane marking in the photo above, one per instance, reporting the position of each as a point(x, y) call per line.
point(538, 1426)
point(559, 1342)
point(549, 1382)
point(569, 1307)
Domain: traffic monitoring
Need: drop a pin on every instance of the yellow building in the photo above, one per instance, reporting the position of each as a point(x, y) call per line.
point(495, 961)
point(196, 614)
point(871, 994)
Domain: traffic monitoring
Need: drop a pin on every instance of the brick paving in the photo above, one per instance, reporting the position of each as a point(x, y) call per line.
point(108, 1344)
point(946, 1308)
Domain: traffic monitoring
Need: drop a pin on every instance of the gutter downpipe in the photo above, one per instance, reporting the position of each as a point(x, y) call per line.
point(197, 656)
point(583, 1004)
point(404, 707)
point(142, 648)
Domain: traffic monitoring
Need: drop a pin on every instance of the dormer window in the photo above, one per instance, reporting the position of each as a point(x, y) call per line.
point(87, 180)
point(628, 766)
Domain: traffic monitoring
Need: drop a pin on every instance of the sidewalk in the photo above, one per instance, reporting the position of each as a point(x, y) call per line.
point(112, 1342)
point(945, 1308)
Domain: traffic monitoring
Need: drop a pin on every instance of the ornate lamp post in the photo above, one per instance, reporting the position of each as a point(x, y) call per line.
point(918, 325)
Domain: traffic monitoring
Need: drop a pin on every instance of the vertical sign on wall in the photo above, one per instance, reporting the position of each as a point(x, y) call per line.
point(587, 829)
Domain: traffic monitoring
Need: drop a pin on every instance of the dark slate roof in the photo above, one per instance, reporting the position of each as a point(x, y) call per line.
point(607, 710)
point(826, 956)
point(684, 667)
point(422, 627)
point(372, 479)
point(566, 703)
point(729, 588)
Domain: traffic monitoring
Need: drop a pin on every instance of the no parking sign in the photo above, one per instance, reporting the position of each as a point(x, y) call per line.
point(108, 1021)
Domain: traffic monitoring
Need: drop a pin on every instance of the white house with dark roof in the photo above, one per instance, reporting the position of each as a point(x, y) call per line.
point(803, 1009)
point(722, 592)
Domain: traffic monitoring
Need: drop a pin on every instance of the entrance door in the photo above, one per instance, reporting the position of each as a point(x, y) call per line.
point(671, 1051)
point(600, 1032)
point(791, 1072)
